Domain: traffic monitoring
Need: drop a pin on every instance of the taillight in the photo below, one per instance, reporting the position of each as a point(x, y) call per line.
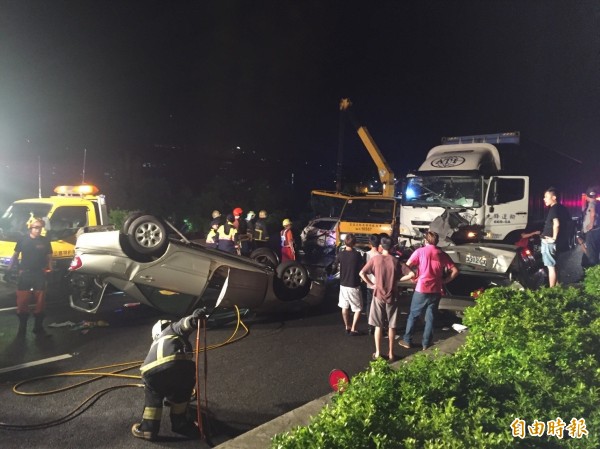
point(526, 254)
point(76, 264)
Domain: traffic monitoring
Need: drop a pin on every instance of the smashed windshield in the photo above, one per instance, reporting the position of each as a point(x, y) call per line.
point(368, 210)
point(13, 224)
point(443, 191)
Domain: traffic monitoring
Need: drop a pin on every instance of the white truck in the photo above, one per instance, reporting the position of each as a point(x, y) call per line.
point(463, 175)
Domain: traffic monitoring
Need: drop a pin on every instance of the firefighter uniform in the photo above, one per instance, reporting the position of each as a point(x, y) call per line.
point(227, 236)
point(260, 227)
point(212, 238)
point(169, 372)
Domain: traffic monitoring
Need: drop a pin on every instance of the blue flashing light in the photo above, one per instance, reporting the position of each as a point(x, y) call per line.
point(410, 193)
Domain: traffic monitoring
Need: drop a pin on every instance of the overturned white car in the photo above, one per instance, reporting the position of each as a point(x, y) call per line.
point(175, 275)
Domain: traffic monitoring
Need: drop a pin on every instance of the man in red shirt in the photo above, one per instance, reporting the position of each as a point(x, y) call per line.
point(431, 263)
point(384, 308)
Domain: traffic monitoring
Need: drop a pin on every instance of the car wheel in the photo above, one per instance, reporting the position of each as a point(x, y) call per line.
point(148, 235)
point(292, 281)
point(265, 256)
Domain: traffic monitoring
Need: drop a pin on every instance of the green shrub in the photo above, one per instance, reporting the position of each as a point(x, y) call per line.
point(529, 355)
point(117, 217)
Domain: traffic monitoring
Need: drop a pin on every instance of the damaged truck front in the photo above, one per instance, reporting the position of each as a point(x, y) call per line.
point(464, 176)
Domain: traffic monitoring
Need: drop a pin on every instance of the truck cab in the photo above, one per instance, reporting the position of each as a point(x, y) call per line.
point(464, 175)
point(70, 209)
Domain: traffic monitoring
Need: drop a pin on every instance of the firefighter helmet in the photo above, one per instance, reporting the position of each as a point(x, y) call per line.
point(250, 215)
point(286, 222)
point(158, 327)
point(216, 214)
point(238, 211)
point(262, 214)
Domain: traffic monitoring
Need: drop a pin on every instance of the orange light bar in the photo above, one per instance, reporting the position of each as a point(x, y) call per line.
point(84, 189)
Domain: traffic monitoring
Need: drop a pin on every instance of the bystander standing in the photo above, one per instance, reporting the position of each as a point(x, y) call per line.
point(431, 263)
point(384, 308)
point(554, 234)
point(350, 298)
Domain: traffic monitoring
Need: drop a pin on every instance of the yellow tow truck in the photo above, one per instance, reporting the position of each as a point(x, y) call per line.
point(364, 215)
point(70, 209)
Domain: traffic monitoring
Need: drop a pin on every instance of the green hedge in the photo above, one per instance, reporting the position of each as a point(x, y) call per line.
point(529, 355)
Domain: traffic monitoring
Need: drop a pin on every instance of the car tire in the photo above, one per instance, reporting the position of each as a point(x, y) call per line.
point(129, 219)
point(265, 256)
point(147, 235)
point(292, 281)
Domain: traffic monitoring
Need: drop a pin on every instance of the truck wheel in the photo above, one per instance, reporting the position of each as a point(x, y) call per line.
point(148, 235)
point(292, 281)
point(265, 256)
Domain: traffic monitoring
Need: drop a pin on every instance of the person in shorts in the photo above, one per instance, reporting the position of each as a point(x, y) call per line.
point(373, 252)
point(384, 309)
point(350, 262)
point(554, 234)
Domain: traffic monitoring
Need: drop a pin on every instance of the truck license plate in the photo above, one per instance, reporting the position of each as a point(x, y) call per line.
point(476, 260)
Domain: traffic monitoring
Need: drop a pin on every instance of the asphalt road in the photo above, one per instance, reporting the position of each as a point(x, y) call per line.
point(282, 363)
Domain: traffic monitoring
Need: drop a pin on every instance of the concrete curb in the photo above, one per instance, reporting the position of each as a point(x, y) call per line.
point(260, 437)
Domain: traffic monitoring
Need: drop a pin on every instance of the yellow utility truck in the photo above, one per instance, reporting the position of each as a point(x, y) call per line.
point(371, 213)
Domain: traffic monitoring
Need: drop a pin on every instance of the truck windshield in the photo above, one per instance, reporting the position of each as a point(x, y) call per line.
point(368, 210)
point(13, 224)
point(443, 191)
point(327, 205)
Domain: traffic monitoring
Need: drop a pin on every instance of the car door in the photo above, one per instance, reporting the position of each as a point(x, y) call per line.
point(507, 203)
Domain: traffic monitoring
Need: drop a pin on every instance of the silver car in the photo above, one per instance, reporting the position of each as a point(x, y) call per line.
point(163, 270)
point(483, 266)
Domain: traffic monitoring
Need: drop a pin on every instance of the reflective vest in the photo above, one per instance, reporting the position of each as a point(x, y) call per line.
point(227, 234)
point(171, 347)
point(260, 230)
point(227, 238)
point(287, 239)
point(213, 237)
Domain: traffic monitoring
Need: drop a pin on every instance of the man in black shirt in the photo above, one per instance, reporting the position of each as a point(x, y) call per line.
point(350, 263)
point(555, 234)
point(36, 261)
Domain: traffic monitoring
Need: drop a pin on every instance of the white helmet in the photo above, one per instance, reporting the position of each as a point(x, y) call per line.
point(158, 327)
point(250, 215)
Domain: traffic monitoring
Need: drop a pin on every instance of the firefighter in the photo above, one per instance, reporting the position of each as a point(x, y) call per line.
point(260, 227)
point(237, 217)
point(287, 241)
point(212, 238)
point(242, 231)
point(250, 232)
point(36, 262)
point(228, 236)
point(169, 372)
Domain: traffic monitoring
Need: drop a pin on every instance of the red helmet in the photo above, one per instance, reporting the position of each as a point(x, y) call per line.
point(238, 211)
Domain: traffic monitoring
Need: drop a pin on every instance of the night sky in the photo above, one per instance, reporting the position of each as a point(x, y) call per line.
point(118, 76)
